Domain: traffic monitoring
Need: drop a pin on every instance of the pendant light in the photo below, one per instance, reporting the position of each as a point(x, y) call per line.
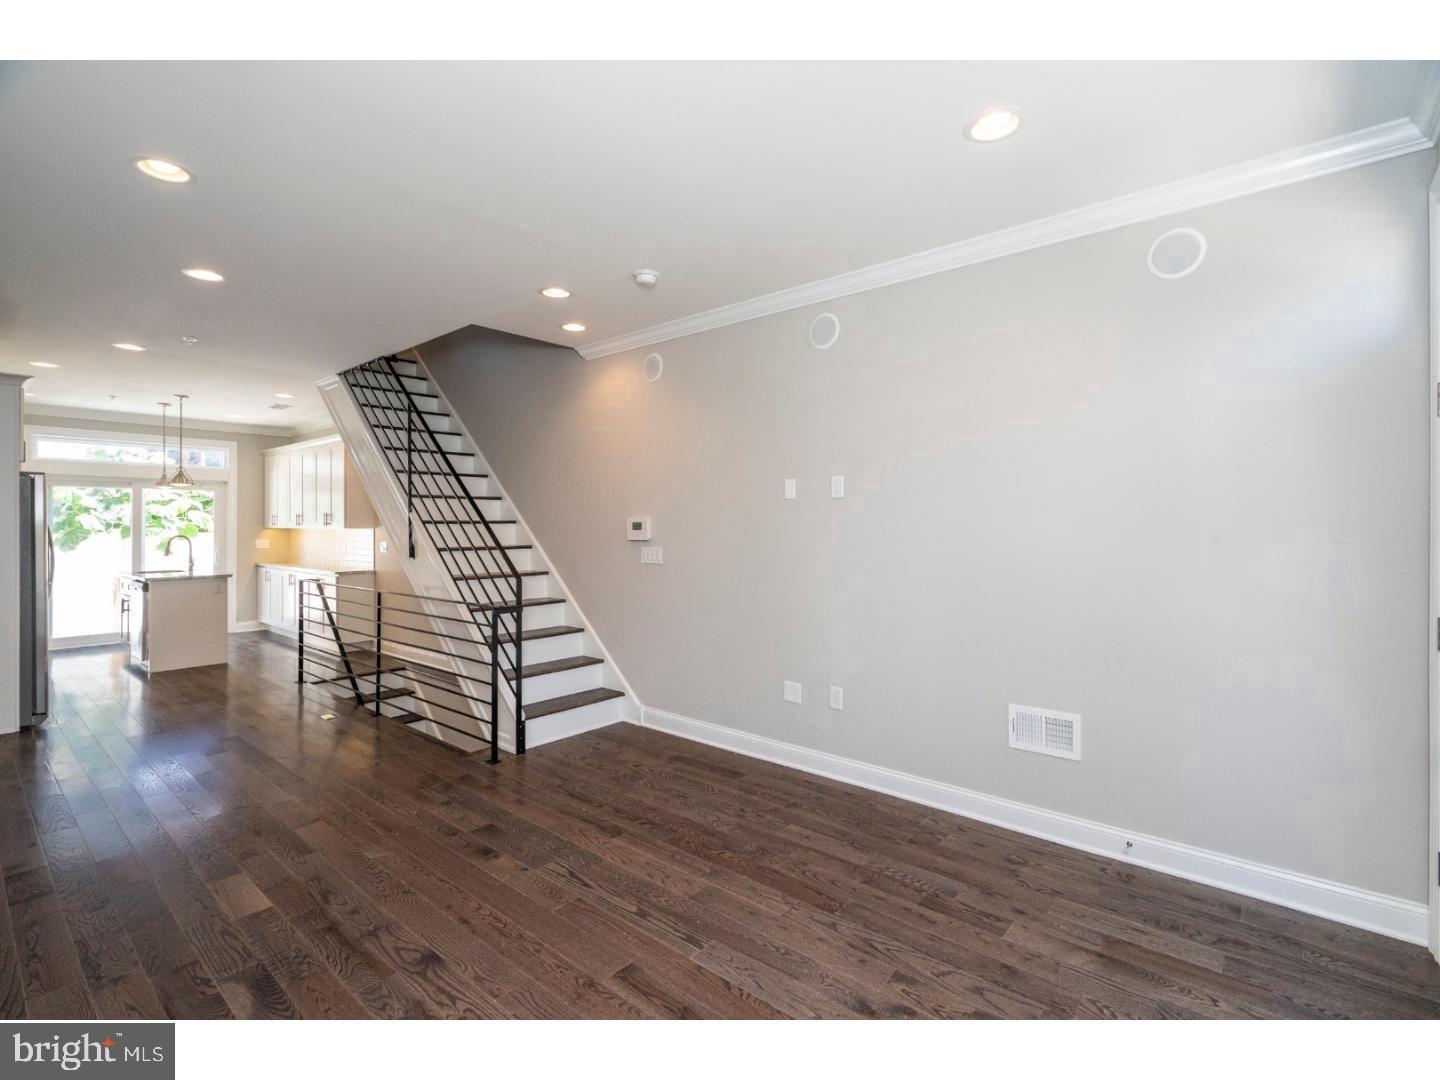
point(181, 477)
point(164, 480)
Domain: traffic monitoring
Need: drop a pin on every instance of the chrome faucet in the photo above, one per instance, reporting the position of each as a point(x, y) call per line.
point(188, 546)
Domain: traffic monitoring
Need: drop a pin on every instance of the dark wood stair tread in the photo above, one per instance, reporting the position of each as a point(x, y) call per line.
point(462, 498)
point(530, 601)
point(385, 695)
point(487, 577)
point(484, 547)
point(473, 524)
point(360, 672)
point(540, 632)
point(536, 709)
point(551, 667)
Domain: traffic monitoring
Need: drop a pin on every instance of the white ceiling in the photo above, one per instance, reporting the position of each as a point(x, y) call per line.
point(359, 208)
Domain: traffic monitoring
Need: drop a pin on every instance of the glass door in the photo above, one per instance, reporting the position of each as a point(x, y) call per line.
point(91, 526)
point(182, 521)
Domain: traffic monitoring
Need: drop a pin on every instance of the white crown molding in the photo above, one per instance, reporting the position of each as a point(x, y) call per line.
point(1427, 113)
point(1389, 915)
point(36, 412)
point(1350, 151)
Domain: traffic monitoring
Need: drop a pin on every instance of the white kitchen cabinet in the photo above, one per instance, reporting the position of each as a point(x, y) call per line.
point(324, 503)
point(289, 597)
point(280, 597)
point(295, 518)
point(310, 485)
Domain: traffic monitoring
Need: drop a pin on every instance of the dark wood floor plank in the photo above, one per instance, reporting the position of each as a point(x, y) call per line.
point(215, 843)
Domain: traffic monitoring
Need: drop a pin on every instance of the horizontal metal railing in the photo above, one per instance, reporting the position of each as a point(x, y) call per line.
point(381, 647)
point(451, 515)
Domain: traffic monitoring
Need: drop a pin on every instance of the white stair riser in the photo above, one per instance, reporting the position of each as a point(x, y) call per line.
point(487, 559)
point(540, 687)
point(464, 464)
point(457, 513)
point(477, 535)
point(535, 617)
point(561, 647)
point(559, 725)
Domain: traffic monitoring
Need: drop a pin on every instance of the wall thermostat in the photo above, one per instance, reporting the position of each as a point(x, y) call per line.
point(637, 528)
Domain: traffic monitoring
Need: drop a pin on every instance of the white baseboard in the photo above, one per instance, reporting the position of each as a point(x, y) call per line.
point(247, 627)
point(1389, 915)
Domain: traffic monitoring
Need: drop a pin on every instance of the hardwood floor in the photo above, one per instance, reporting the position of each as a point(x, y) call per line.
point(204, 844)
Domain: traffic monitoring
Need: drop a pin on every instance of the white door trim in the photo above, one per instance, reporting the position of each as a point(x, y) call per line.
point(1432, 871)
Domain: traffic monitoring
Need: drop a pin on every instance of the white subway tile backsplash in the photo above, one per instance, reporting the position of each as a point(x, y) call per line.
point(334, 549)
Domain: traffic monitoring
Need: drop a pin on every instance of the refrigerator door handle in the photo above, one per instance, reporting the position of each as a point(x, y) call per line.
point(49, 559)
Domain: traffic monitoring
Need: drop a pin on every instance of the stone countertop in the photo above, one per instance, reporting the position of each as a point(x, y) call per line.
point(171, 575)
point(308, 569)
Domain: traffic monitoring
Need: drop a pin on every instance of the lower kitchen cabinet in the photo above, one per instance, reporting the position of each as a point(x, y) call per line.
point(279, 598)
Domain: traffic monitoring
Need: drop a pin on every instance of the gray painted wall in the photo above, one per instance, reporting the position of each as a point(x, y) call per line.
point(1194, 511)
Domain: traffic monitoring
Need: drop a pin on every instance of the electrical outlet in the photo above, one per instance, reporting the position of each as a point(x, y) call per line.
point(262, 542)
point(837, 487)
point(837, 698)
point(654, 555)
point(793, 693)
point(384, 547)
point(789, 487)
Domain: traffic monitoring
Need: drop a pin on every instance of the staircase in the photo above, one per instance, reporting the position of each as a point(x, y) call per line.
point(476, 573)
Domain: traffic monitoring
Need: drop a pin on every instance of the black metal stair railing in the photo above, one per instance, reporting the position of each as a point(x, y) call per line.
point(359, 638)
point(439, 500)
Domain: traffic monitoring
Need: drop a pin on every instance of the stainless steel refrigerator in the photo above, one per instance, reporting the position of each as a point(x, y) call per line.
point(37, 570)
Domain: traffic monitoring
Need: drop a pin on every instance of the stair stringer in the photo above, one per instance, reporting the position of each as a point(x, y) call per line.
point(631, 708)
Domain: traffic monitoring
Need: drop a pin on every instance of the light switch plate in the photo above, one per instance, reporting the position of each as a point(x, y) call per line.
point(789, 487)
point(837, 698)
point(837, 487)
point(655, 555)
point(384, 546)
point(792, 692)
point(262, 542)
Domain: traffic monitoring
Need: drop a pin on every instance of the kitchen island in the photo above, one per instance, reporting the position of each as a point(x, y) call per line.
point(177, 619)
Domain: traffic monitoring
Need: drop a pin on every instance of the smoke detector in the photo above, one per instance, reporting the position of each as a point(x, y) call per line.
point(646, 279)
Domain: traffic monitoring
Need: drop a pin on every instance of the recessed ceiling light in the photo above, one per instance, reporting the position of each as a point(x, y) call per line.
point(160, 169)
point(201, 274)
point(128, 347)
point(574, 327)
point(42, 363)
point(555, 292)
point(285, 395)
point(190, 340)
point(995, 125)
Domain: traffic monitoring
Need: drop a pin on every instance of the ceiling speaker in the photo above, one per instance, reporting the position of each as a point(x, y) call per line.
point(654, 366)
point(824, 331)
point(1176, 253)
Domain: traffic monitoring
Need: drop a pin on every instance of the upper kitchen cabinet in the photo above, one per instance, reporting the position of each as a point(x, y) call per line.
point(309, 485)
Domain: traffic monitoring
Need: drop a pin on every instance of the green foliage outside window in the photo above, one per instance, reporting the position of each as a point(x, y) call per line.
point(78, 513)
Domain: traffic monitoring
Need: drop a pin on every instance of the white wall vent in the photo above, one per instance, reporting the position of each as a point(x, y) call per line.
point(1045, 731)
